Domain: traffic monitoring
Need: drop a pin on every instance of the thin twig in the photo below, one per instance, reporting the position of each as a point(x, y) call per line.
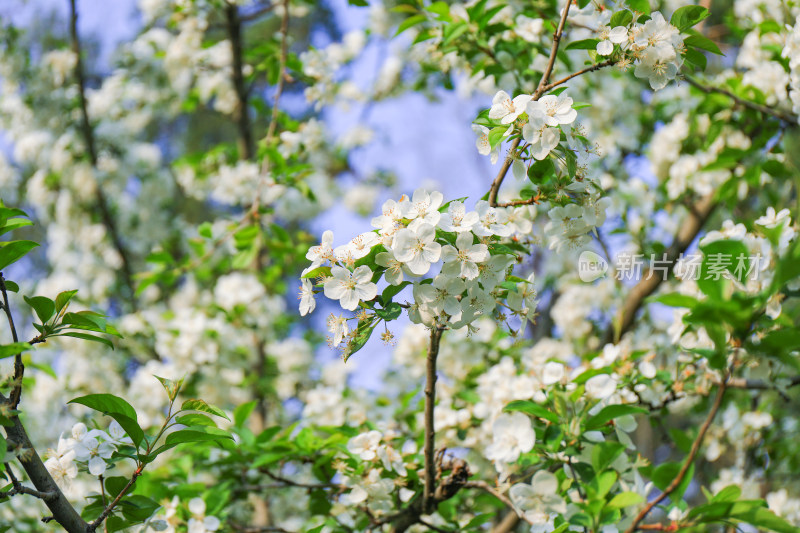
point(289, 482)
point(19, 368)
point(484, 486)
point(785, 116)
point(688, 231)
point(689, 459)
point(19, 488)
point(234, 29)
point(91, 148)
point(596, 66)
point(110, 507)
point(273, 120)
point(501, 175)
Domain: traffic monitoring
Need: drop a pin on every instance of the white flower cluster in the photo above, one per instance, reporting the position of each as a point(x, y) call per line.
point(412, 236)
point(92, 447)
point(538, 119)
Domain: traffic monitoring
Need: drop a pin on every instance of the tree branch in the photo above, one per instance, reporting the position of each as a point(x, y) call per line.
point(697, 217)
point(430, 430)
point(501, 175)
point(62, 510)
point(273, 120)
point(592, 68)
point(689, 459)
point(107, 511)
point(88, 137)
point(18, 488)
point(19, 368)
point(482, 485)
point(234, 29)
point(786, 117)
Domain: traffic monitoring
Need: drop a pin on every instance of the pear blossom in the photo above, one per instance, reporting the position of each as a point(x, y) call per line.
point(359, 247)
point(553, 372)
point(529, 29)
point(424, 207)
point(461, 259)
point(483, 144)
point(491, 221)
point(457, 218)
point(772, 219)
point(601, 386)
point(417, 248)
point(609, 37)
point(539, 500)
point(350, 287)
point(338, 328)
point(441, 294)
point(61, 465)
point(365, 445)
point(307, 301)
point(394, 268)
point(658, 67)
point(322, 252)
point(506, 109)
point(512, 435)
point(541, 137)
point(554, 109)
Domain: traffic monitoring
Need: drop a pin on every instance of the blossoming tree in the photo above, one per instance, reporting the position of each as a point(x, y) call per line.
point(604, 338)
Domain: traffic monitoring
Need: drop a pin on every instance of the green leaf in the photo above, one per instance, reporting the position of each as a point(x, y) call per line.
point(676, 300)
point(704, 43)
point(731, 493)
point(323, 271)
point(584, 44)
point(118, 409)
point(196, 434)
point(44, 307)
point(63, 299)
point(624, 499)
point(242, 412)
point(391, 312)
point(533, 409)
point(605, 453)
point(11, 286)
point(12, 251)
point(86, 337)
point(620, 18)
point(497, 135)
point(9, 350)
point(409, 22)
point(201, 405)
point(640, 6)
point(611, 412)
point(698, 59)
point(363, 333)
point(392, 290)
point(172, 387)
point(195, 419)
point(687, 16)
point(665, 473)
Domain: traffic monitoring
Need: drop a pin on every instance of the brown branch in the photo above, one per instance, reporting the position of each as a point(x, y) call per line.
point(690, 228)
point(107, 511)
point(689, 459)
point(508, 524)
point(19, 368)
point(482, 485)
point(596, 66)
point(785, 116)
point(56, 502)
point(292, 483)
point(89, 139)
point(430, 430)
point(234, 29)
point(19, 488)
point(501, 175)
point(273, 119)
